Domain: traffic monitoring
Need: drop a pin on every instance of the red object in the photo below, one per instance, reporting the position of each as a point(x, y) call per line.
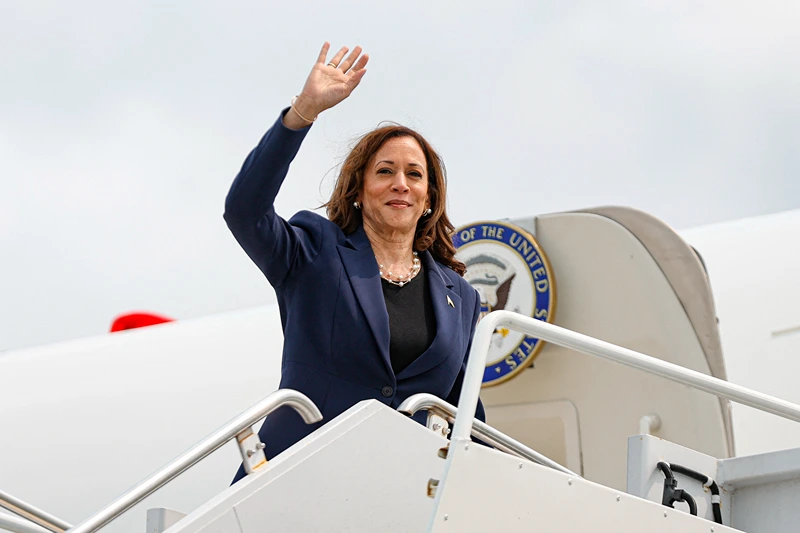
point(137, 320)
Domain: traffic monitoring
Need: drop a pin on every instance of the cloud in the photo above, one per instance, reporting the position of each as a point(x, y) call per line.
point(122, 126)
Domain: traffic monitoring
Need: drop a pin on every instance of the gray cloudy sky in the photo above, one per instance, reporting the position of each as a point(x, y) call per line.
point(123, 123)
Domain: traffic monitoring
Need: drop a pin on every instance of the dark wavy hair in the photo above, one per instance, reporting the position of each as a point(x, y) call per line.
point(434, 232)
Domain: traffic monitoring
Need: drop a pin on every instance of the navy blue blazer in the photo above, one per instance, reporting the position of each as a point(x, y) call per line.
point(333, 313)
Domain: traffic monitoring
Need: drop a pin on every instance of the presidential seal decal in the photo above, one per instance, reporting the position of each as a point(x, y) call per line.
point(510, 271)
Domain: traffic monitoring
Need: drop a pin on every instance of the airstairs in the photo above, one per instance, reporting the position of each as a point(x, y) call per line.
point(375, 469)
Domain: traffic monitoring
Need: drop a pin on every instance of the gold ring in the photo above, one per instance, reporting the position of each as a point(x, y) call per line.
point(332, 65)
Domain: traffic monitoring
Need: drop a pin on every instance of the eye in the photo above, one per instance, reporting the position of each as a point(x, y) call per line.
point(384, 171)
point(416, 174)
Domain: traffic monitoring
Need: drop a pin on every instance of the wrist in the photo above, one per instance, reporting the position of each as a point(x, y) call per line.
point(300, 114)
point(306, 108)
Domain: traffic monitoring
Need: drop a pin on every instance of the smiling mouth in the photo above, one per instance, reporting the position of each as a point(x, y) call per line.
point(398, 204)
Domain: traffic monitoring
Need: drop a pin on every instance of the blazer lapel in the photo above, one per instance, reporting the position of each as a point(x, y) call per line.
point(362, 270)
point(447, 310)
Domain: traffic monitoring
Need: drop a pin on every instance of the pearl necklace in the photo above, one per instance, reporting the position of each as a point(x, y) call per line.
point(401, 280)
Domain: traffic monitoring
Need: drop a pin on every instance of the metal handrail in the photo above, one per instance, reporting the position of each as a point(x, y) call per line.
point(32, 514)
point(279, 398)
point(480, 430)
point(473, 377)
point(15, 524)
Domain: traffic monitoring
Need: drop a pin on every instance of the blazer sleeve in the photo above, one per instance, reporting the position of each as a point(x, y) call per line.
point(275, 245)
point(455, 392)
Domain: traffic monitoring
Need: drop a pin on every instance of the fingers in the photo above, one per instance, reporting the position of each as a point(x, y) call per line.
point(357, 72)
point(323, 53)
point(347, 63)
point(329, 82)
point(335, 60)
point(361, 63)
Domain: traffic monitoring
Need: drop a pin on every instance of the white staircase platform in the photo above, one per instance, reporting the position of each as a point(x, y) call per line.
point(367, 470)
point(370, 470)
point(486, 490)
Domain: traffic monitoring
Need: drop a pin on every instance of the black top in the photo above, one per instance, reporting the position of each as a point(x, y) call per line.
point(412, 324)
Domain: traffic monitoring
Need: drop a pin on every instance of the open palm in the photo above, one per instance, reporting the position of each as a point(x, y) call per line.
point(331, 82)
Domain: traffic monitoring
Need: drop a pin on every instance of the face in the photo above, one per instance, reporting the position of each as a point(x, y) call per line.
point(395, 190)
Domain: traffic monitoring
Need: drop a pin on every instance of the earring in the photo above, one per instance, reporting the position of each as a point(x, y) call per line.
point(428, 211)
point(357, 205)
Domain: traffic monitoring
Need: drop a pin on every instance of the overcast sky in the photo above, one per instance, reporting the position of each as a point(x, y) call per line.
point(122, 125)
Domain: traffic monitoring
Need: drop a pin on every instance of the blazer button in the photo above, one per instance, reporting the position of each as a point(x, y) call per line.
point(387, 391)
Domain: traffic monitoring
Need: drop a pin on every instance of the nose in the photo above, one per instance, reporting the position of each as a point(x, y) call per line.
point(400, 183)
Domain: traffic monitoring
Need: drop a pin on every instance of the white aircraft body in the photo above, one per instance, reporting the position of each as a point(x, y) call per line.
point(83, 421)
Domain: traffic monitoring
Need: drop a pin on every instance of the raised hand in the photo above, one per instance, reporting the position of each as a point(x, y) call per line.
point(328, 83)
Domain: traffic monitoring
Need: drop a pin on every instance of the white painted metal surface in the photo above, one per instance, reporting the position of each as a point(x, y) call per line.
point(159, 520)
point(758, 493)
point(767, 509)
point(480, 430)
point(117, 399)
point(611, 286)
point(15, 524)
point(646, 481)
point(485, 490)
point(553, 425)
point(760, 469)
point(32, 514)
point(649, 423)
point(280, 398)
point(134, 385)
point(752, 265)
point(576, 341)
point(765, 490)
point(365, 471)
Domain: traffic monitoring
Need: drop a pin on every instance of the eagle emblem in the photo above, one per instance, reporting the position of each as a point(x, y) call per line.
point(510, 272)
